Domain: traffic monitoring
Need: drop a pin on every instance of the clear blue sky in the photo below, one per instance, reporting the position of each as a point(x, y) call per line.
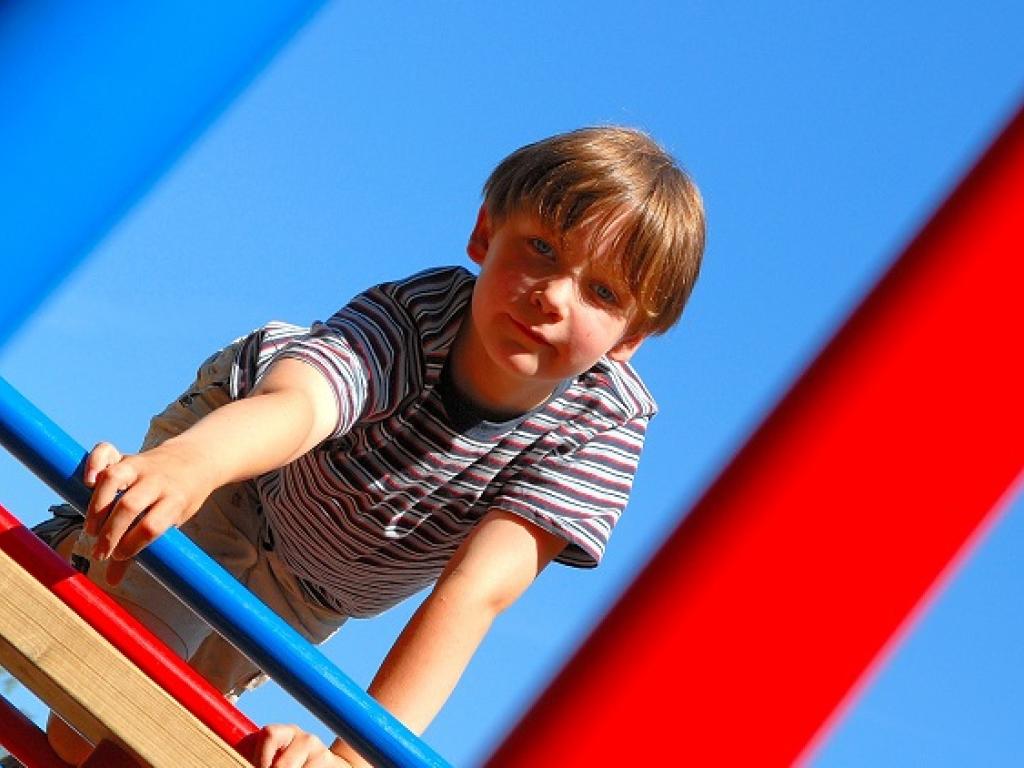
point(820, 134)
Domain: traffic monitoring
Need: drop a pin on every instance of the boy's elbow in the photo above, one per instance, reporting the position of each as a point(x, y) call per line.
point(485, 596)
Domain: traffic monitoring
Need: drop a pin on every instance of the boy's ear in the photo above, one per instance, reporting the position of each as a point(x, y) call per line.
point(480, 237)
point(624, 350)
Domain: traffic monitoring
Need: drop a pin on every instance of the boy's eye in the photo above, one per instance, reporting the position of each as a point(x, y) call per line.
point(542, 247)
point(604, 293)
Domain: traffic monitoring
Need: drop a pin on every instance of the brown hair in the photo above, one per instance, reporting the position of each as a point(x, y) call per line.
point(632, 191)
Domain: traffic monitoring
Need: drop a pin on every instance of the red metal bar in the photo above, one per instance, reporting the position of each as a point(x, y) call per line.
point(823, 536)
point(23, 739)
point(125, 633)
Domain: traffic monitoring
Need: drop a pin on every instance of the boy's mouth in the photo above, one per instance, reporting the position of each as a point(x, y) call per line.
point(529, 333)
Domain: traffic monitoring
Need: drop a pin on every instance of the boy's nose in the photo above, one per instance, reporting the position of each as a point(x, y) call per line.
point(552, 296)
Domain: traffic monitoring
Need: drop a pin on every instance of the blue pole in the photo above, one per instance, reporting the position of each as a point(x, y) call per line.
point(31, 437)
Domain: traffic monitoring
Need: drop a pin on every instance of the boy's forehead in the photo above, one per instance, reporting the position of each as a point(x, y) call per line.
point(597, 241)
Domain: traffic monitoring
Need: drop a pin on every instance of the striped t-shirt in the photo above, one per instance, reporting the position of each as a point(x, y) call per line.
point(374, 513)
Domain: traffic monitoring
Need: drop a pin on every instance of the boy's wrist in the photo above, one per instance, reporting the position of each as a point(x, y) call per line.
point(201, 468)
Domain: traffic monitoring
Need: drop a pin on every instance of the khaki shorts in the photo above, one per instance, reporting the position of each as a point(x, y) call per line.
point(229, 527)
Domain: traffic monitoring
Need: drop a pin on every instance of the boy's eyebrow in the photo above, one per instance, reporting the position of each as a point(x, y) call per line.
point(607, 271)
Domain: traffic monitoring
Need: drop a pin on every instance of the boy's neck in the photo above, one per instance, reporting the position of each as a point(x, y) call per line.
point(473, 378)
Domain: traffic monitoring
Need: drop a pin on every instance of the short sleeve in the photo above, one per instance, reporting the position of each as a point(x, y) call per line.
point(367, 353)
point(579, 491)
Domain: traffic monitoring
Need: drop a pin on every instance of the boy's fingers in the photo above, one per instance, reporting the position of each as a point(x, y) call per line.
point(273, 738)
point(146, 527)
point(111, 483)
point(116, 569)
point(100, 457)
point(100, 507)
point(294, 755)
point(122, 514)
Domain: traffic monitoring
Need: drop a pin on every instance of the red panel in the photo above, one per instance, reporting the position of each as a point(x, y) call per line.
point(786, 582)
point(24, 740)
point(125, 633)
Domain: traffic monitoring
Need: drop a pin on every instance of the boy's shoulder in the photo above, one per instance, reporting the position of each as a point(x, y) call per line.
point(427, 306)
point(433, 285)
point(622, 393)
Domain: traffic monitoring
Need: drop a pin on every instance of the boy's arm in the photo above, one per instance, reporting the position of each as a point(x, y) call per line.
point(489, 571)
point(291, 410)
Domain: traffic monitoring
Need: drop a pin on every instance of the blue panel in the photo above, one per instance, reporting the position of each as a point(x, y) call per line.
point(97, 99)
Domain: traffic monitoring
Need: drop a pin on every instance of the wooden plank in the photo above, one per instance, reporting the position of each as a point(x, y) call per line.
point(68, 665)
point(133, 640)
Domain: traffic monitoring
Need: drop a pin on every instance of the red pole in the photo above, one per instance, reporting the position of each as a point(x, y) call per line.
point(24, 740)
point(813, 548)
point(126, 634)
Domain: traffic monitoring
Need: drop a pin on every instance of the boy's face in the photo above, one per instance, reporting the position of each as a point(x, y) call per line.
point(545, 307)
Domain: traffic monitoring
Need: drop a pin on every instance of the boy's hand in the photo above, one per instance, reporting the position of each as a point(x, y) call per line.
point(288, 746)
point(138, 497)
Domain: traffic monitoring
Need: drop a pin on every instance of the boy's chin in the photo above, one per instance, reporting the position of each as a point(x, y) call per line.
point(527, 371)
point(523, 367)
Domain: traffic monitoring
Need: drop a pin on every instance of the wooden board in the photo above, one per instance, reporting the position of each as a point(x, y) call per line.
point(76, 672)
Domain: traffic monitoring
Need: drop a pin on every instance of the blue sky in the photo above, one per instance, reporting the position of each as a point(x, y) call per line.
point(821, 135)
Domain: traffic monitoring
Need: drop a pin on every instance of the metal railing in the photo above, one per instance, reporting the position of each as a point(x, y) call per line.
point(231, 609)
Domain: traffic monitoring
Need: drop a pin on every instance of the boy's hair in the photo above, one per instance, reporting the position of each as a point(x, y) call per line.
point(632, 191)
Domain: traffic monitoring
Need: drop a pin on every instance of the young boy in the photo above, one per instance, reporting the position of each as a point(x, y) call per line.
point(444, 430)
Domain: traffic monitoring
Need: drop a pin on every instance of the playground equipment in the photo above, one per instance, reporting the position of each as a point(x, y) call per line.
point(813, 550)
point(794, 572)
point(216, 596)
point(171, 103)
point(57, 654)
point(72, 114)
point(762, 601)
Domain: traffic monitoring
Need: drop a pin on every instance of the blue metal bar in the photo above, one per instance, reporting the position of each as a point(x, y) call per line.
point(228, 606)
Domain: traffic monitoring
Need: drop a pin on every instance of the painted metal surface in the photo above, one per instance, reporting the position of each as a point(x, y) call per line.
point(125, 633)
point(100, 101)
point(24, 740)
point(230, 608)
point(814, 549)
